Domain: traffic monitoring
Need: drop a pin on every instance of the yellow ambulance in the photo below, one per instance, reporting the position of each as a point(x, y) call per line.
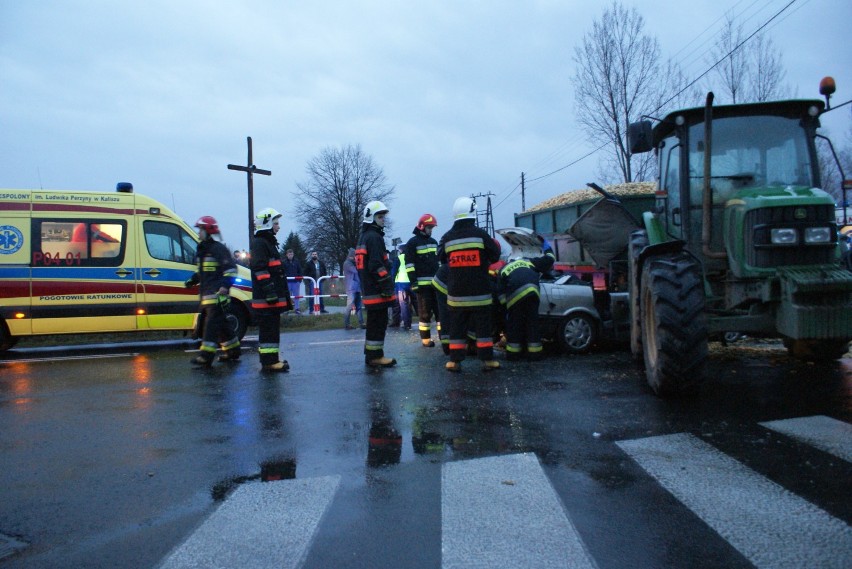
point(75, 262)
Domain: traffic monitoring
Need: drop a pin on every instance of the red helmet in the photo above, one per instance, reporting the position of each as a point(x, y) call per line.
point(208, 224)
point(426, 220)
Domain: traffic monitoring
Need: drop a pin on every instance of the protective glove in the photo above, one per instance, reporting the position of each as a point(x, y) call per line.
point(386, 286)
point(191, 281)
point(224, 300)
point(270, 295)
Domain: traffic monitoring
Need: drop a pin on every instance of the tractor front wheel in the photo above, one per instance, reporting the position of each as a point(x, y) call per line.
point(673, 323)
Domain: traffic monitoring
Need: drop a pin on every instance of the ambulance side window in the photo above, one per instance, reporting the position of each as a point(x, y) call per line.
point(169, 242)
point(78, 243)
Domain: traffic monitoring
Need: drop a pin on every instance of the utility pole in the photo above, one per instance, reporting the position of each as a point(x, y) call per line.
point(487, 214)
point(523, 194)
point(250, 169)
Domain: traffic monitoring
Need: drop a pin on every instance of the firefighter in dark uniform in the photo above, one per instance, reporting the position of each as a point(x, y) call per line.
point(215, 275)
point(270, 293)
point(374, 271)
point(520, 294)
point(469, 250)
point(439, 284)
point(421, 264)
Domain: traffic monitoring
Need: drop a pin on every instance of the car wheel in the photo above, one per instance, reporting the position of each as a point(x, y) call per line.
point(577, 333)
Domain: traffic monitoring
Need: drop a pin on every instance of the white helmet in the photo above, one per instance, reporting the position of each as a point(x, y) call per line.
point(372, 209)
point(264, 219)
point(464, 208)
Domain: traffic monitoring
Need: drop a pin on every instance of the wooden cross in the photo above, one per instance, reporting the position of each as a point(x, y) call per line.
point(250, 169)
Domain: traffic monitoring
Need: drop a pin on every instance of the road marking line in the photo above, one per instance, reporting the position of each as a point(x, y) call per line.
point(769, 525)
point(503, 512)
point(352, 341)
point(825, 433)
point(63, 358)
point(261, 525)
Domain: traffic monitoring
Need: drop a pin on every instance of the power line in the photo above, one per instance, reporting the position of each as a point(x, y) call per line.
point(738, 46)
point(690, 84)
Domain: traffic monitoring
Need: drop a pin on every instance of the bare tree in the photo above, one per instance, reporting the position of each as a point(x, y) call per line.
point(831, 176)
point(617, 80)
point(749, 68)
point(767, 72)
point(734, 64)
point(330, 203)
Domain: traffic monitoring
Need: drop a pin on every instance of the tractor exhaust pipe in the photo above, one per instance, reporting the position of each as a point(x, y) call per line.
point(707, 195)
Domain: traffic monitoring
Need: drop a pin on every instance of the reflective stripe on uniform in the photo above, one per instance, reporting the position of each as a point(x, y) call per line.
point(375, 299)
point(469, 301)
point(522, 292)
point(209, 299)
point(464, 243)
point(267, 348)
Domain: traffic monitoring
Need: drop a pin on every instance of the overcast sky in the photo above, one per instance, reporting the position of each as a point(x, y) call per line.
point(449, 98)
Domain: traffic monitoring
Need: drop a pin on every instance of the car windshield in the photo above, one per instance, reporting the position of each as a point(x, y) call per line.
point(751, 151)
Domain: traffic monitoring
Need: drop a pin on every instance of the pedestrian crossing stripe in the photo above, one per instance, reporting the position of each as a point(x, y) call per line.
point(824, 433)
point(502, 512)
point(767, 524)
point(263, 525)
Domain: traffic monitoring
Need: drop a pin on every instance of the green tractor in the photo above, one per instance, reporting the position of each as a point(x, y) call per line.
point(741, 239)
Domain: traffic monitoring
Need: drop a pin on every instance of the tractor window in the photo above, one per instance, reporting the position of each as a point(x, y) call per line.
point(749, 152)
point(169, 242)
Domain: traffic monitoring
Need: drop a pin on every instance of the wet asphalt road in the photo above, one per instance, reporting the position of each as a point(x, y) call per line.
point(115, 459)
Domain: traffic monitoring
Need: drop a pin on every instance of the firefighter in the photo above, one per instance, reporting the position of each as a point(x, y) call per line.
point(270, 293)
point(469, 250)
point(520, 294)
point(215, 275)
point(421, 265)
point(439, 284)
point(374, 270)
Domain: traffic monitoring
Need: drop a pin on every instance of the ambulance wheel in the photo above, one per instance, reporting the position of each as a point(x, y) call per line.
point(7, 341)
point(238, 319)
point(577, 334)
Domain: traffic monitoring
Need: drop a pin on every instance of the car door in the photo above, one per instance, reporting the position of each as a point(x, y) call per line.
point(83, 277)
point(167, 260)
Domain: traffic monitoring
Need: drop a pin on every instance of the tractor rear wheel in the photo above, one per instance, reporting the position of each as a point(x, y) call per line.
point(673, 323)
point(638, 241)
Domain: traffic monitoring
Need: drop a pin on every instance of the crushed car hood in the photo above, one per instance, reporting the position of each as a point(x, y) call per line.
point(524, 242)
